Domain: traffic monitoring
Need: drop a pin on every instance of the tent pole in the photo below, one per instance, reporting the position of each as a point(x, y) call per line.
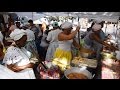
point(78, 33)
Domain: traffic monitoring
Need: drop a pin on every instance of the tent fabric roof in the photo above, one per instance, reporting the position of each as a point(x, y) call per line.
point(106, 16)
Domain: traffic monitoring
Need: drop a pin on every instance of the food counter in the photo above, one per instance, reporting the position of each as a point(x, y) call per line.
point(57, 69)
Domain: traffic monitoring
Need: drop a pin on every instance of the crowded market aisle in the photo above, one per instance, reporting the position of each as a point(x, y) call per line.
point(57, 50)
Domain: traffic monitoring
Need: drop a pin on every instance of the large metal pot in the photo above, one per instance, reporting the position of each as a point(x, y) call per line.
point(78, 70)
point(85, 52)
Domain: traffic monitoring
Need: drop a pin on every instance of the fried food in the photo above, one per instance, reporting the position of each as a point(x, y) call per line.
point(77, 60)
point(84, 62)
point(76, 76)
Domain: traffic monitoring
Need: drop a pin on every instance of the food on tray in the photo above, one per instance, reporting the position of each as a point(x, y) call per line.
point(78, 60)
point(90, 62)
point(84, 62)
point(76, 76)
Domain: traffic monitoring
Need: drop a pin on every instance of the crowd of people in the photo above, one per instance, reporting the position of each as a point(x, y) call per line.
point(32, 44)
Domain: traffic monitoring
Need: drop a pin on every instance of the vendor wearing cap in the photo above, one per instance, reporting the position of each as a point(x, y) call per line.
point(94, 41)
point(17, 58)
point(65, 41)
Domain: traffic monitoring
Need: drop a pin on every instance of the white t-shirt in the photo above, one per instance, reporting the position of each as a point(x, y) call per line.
point(53, 35)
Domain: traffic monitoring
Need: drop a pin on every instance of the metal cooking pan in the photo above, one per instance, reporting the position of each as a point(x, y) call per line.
point(78, 70)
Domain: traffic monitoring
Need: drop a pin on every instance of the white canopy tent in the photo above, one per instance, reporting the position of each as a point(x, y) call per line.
point(30, 15)
point(64, 14)
point(104, 16)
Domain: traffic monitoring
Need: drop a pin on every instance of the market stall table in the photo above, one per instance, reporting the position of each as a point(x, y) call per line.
point(92, 65)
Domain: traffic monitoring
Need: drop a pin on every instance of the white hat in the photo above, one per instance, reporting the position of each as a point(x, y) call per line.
point(66, 25)
point(17, 34)
point(96, 27)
